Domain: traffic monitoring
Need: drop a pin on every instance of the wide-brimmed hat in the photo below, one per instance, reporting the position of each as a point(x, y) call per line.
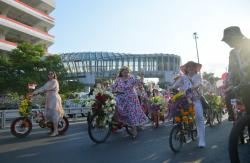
point(197, 66)
point(232, 33)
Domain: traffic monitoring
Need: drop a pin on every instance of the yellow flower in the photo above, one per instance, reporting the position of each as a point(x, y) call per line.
point(179, 94)
point(24, 108)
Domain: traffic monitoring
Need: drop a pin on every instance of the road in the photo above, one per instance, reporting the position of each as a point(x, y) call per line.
point(151, 146)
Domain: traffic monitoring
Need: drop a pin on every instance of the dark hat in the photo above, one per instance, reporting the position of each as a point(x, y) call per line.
point(192, 64)
point(231, 33)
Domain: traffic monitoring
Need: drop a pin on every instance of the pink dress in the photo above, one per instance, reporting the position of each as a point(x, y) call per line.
point(128, 105)
point(53, 107)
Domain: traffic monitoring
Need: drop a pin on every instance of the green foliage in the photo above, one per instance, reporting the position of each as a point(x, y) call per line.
point(210, 77)
point(27, 63)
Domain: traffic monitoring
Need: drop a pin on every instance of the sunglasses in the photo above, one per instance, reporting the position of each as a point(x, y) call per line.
point(50, 74)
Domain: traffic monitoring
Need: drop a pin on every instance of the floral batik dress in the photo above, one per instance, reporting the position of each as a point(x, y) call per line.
point(128, 106)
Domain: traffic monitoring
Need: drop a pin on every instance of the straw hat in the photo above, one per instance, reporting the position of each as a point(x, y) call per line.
point(197, 66)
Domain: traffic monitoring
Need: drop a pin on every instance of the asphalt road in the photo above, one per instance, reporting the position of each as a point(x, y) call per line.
point(151, 146)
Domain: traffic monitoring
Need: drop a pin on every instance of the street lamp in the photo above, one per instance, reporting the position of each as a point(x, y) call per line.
point(195, 38)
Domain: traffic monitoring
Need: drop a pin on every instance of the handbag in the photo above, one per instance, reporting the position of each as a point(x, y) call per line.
point(204, 102)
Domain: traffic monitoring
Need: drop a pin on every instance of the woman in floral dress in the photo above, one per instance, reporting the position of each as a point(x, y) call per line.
point(128, 106)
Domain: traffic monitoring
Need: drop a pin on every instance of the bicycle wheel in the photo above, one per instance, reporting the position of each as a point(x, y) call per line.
point(194, 133)
point(21, 127)
point(239, 153)
point(99, 129)
point(210, 114)
point(219, 116)
point(176, 139)
point(63, 125)
point(129, 130)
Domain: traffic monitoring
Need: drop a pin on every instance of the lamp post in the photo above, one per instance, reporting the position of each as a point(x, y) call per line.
point(195, 38)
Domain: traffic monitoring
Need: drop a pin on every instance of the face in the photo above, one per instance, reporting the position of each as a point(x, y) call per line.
point(190, 69)
point(125, 72)
point(51, 75)
point(232, 41)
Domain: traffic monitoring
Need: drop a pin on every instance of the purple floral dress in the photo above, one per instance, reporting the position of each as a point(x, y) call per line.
point(128, 105)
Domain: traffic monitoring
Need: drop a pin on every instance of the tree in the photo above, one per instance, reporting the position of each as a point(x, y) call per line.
point(27, 64)
point(210, 77)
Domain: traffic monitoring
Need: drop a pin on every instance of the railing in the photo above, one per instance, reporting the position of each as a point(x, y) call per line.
point(6, 115)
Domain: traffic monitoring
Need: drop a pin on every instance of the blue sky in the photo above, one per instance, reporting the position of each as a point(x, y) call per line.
point(150, 26)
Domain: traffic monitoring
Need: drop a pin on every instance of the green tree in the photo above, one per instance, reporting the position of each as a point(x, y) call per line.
point(210, 77)
point(27, 63)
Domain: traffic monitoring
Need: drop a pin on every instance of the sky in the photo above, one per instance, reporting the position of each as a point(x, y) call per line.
point(150, 26)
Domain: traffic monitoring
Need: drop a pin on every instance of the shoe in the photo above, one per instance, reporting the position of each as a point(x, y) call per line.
point(230, 118)
point(134, 133)
point(54, 134)
point(202, 146)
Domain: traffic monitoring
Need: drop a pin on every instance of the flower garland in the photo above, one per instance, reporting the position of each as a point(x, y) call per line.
point(177, 96)
point(101, 100)
point(158, 103)
point(24, 108)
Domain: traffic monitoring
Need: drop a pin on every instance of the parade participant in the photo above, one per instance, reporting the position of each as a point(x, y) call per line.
point(192, 80)
point(239, 66)
point(128, 106)
point(53, 106)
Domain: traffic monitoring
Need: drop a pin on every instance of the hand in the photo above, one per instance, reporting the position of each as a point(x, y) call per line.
point(141, 74)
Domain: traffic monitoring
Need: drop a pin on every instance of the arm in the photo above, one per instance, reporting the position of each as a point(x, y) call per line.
point(50, 85)
point(115, 87)
point(178, 83)
point(196, 82)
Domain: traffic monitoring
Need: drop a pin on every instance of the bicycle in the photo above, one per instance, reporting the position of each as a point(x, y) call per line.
point(238, 149)
point(214, 111)
point(22, 126)
point(184, 129)
point(238, 153)
point(101, 123)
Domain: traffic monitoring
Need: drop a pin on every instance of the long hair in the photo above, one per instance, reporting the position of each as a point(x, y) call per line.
point(122, 69)
point(54, 74)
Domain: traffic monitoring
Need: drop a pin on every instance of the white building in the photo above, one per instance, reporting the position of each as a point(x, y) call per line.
point(25, 21)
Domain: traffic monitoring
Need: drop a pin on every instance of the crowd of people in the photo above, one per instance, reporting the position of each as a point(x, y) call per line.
point(135, 100)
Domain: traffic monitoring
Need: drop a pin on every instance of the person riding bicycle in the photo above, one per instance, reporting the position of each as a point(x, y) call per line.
point(128, 106)
point(191, 80)
point(53, 106)
point(239, 64)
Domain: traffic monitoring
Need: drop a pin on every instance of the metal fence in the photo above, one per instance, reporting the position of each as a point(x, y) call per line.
point(72, 112)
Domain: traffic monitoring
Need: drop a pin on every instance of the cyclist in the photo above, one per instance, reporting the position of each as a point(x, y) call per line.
point(191, 80)
point(128, 105)
point(239, 63)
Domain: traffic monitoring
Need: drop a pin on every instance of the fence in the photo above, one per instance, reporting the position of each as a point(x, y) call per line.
point(72, 112)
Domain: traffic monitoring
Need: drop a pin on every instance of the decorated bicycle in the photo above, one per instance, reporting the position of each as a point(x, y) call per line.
point(22, 126)
point(101, 117)
point(214, 111)
point(184, 129)
point(157, 109)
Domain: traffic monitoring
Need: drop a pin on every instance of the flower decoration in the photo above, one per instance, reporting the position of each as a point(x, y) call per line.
point(158, 103)
point(24, 108)
point(101, 101)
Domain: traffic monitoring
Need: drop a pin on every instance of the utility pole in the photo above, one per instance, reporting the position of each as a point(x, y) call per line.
point(195, 38)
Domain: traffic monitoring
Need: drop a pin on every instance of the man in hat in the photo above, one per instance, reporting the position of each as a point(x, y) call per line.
point(239, 66)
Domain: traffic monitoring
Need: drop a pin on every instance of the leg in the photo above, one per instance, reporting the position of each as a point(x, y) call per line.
point(228, 98)
point(200, 123)
point(134, 131)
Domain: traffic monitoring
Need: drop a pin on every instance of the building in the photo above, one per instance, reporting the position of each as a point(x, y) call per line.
point(25, 21)
point(89, 66)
